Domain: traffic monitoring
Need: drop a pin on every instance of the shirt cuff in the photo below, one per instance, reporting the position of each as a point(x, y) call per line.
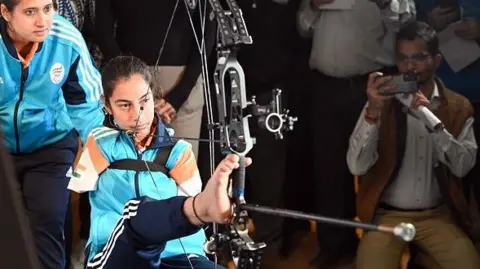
point(364, 135)
point(442, 140)
point(369, 130)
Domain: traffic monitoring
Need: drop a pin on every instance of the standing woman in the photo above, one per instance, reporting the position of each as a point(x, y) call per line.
point(49, 91)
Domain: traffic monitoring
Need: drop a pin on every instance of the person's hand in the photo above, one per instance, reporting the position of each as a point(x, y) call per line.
point(315, 4)
point(439, 18)
point(419, 99)
point(213, 204)
point(166, 110)
point(468, 29)
point(375, 86)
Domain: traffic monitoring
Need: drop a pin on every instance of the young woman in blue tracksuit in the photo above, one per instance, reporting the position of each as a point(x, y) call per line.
point(49, 92)
point(144, 216)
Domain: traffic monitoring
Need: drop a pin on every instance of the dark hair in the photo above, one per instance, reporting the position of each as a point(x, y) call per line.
point(123, 67)
point(414, 29)
point(10, 4)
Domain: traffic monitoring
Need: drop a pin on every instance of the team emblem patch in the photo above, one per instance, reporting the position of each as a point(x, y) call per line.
point(57, 72)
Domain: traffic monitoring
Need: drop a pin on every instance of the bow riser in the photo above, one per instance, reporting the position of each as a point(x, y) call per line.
point(232, 104)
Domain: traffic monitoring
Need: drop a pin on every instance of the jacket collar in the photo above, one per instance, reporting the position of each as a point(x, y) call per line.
point(162, 137)
point(436, 99)
point(8, 42)
point(440, 86)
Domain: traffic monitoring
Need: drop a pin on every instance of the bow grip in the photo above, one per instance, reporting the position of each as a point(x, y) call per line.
point(238, 180)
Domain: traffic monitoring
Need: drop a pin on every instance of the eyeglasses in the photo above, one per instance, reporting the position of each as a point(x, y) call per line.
point(416, 58)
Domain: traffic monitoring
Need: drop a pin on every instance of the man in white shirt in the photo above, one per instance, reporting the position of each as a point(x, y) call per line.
point(347, 44)
point(410, 173)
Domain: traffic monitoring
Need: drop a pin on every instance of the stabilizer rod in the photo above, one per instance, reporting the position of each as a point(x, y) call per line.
point(405, 231)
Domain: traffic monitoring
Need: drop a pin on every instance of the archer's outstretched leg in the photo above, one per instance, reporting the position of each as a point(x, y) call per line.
point(140, 236)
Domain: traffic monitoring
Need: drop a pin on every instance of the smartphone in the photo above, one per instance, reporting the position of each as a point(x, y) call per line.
point(405, 83)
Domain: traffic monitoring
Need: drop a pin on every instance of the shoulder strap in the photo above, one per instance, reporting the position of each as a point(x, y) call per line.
point(162, 156)
point(138, 166)
point(158, 165)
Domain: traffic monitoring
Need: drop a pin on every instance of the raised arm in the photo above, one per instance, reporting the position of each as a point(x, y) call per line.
point(362, 151)
point(457, 153)
point(83, 87)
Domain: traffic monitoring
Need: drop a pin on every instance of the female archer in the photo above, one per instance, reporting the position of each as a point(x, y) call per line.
point(147, 208)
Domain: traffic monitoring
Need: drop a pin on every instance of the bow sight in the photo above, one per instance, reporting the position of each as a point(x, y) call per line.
point(271, 117)
point(234, 110)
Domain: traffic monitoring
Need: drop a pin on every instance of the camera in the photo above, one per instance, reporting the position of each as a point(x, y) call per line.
point(405, 83)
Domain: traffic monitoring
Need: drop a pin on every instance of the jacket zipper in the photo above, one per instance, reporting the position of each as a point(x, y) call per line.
point(136, 178)
point(137, 183)
point(17, 106)
point(137, 187)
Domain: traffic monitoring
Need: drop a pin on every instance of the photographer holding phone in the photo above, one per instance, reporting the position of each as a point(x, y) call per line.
point(346, 45)
point(410, 173)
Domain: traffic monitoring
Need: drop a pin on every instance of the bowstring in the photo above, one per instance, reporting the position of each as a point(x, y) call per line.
point(166, 36)
point(207, 92)
point(208, 103)
point(205, 76)
point(205, 81)
point(206, 89)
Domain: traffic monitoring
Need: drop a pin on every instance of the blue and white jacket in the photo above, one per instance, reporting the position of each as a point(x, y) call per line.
point(111, 189)
point(58, 91)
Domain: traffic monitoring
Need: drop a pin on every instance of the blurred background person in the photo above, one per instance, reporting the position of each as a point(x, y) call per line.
point(347, 44)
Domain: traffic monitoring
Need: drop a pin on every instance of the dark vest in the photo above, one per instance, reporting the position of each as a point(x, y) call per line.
point(453, 112)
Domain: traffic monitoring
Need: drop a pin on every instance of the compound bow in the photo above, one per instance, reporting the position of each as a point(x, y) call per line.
point(234, 111)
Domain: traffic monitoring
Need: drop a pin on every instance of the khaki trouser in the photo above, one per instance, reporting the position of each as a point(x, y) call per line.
point(441, 243)
point(188, 120)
